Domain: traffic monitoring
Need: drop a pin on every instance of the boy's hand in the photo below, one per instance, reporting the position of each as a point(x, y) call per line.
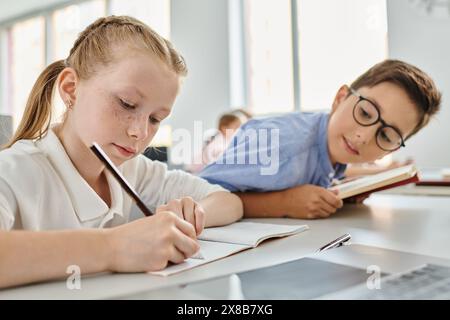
point(311, 202)
point(188, 209)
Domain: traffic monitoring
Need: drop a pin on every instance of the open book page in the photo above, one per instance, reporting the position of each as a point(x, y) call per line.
point(219, 242)
point(249, 233)
point(211, 251)
point(375, 181)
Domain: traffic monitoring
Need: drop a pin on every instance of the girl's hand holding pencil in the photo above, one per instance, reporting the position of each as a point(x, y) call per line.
point(188, 209)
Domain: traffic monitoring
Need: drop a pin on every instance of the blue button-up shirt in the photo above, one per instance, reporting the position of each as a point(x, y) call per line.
point(276, 153)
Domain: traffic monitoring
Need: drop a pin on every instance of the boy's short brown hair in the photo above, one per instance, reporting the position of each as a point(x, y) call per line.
point(226, 119)
point(419, 87)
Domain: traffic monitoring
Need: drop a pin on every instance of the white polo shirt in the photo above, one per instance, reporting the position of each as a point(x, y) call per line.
point(40, 189)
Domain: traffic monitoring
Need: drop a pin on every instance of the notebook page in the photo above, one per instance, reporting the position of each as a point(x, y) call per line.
point(249, 233)
point(211, 251)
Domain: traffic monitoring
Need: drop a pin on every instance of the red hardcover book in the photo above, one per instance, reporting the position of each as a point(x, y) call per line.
point(385, 180)
point(394, 185)
point(434, 183)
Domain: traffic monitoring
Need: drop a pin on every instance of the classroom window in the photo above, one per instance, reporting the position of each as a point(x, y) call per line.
point(23, 68)
point(338, 41)
point(68, 22)
point(268, 38)
point(155, 13)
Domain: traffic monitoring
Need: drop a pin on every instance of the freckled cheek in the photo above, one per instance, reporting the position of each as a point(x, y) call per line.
point(121, 118)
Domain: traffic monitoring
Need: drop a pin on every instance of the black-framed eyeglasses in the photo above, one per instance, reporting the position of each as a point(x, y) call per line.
point(366, 114)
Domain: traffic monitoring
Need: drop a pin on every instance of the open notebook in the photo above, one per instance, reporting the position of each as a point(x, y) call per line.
point(377, 182)
point(219, 242)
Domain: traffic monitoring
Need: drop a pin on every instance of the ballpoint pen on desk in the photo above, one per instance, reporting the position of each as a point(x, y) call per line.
point(336, 243)
point(98, 151)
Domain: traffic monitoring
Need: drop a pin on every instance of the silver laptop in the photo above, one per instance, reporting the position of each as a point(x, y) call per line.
point(429, 281)
point(337, 274)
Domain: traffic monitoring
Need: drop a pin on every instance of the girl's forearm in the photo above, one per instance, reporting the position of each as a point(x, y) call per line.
point(30, 256)
point(221, 208)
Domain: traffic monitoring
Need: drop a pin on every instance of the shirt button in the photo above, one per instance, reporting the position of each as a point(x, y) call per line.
point(331, 175)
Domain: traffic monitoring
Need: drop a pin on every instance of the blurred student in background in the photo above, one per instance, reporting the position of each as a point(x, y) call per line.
point(217, 143)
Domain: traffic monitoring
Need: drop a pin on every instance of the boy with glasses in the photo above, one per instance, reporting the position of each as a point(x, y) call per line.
point(373, 117)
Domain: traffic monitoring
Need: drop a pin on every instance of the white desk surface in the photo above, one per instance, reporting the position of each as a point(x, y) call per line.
point(413, 224)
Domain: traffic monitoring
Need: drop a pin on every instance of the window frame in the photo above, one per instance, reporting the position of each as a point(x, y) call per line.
point(295, 61)
point(246, 57)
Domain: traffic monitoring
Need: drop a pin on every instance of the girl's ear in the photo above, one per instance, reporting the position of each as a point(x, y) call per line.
point(67, 85)
point(341, 95)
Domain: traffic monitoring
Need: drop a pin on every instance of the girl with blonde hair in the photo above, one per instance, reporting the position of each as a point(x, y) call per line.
point(58, 204)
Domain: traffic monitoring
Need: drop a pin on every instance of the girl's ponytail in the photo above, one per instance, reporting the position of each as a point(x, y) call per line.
point(37, 115)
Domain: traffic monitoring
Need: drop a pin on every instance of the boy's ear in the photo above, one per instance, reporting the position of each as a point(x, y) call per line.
point(341, 95)
point(67, 85)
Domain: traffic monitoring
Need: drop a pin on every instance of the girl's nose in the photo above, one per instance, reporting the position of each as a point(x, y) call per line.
point(138, 128)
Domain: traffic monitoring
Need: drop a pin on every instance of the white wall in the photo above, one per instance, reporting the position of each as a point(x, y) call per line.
point(199, 30)
point(424, 41)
